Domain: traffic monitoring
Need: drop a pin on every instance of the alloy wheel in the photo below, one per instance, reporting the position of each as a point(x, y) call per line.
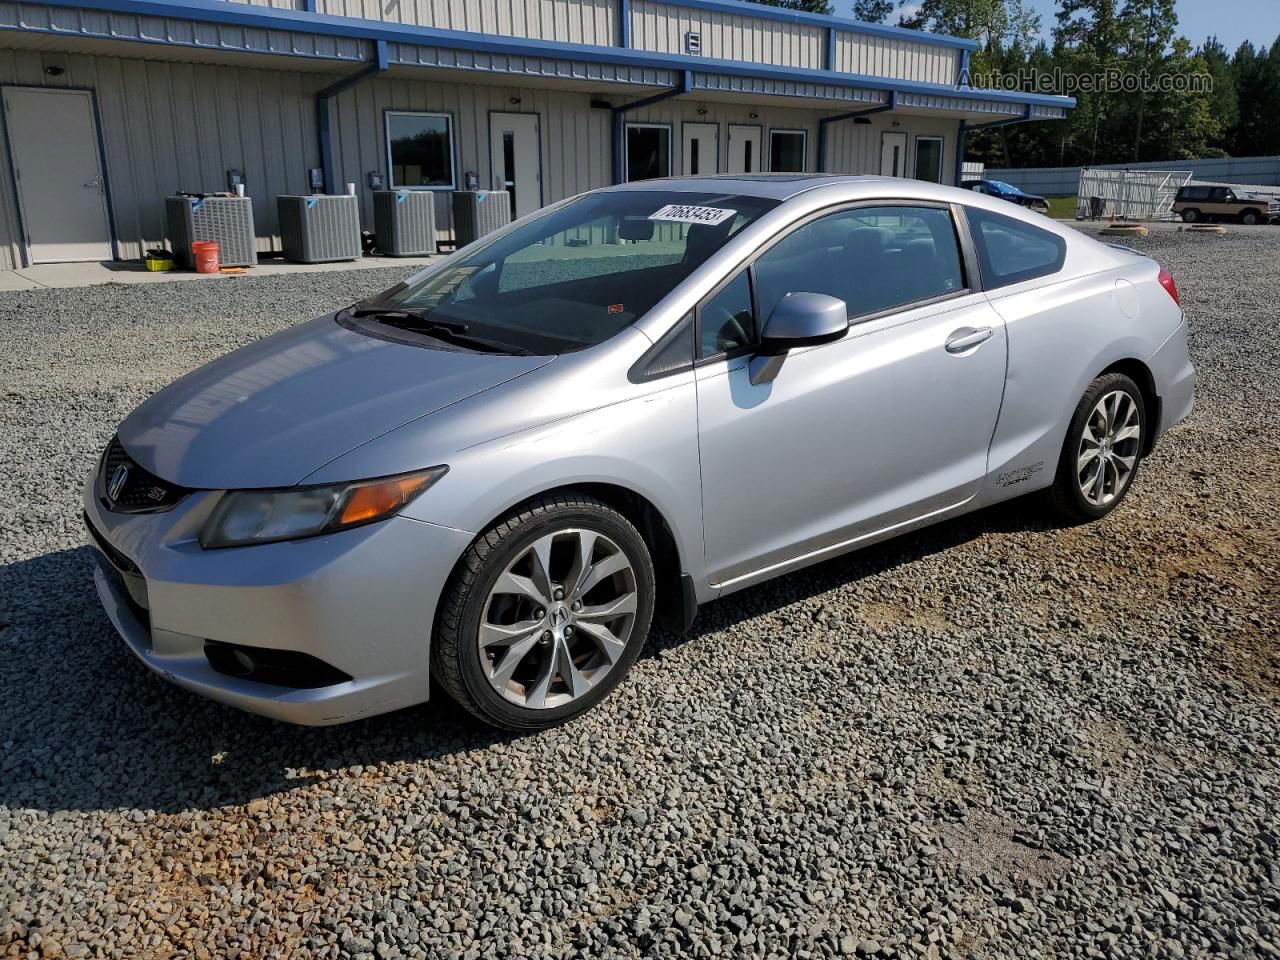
point(1109, 446)
point(558, 619)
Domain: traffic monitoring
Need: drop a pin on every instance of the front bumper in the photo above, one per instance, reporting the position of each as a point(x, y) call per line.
point(361, 600)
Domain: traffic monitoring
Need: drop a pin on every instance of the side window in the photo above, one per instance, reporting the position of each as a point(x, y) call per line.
point(1219, 195)
point(872, 258)
point(727, 320)
point(1010, 251)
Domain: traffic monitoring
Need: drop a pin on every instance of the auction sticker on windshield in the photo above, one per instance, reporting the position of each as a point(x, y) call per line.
point(688, 213)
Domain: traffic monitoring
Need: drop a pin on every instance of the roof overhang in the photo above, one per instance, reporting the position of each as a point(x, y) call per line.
point(216, 31)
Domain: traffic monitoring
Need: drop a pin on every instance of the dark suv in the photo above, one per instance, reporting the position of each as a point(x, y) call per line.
point(1203, 202)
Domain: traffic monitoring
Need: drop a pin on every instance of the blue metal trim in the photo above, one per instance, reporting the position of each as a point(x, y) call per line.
point(619, 121)
point(962, 134)
point(309, 6)
point(963, 79)
point(238, 14)
point(624, 23)
point(823, 121)
point(324, 131)
point(829, 62)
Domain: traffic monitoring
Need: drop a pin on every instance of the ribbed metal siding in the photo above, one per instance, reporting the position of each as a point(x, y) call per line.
point(855, 147)
point(899, 59)
point(176, 126)
point(277, 4)
point(662, 27)
point(571, 21)
point(575, 138)
point(520, 67)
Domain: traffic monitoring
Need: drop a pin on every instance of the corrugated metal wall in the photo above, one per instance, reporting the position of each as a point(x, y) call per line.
point(575, 138)
point(855, 147)
point(900, 59)
point(662, 27)
point(570, 21)
point(170, 126)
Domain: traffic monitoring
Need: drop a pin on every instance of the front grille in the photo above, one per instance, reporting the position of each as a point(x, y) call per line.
point(139, 490)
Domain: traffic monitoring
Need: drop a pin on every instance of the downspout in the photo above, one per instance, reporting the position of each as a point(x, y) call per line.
point(619, 121)
point(962, 135)
point(624, 23)
point(323, 120)
point(822, 125)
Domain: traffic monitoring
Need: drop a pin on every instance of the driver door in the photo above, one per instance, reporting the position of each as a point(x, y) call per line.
point(889, 425)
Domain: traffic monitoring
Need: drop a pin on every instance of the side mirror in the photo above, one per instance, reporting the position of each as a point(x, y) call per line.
point(799, 320)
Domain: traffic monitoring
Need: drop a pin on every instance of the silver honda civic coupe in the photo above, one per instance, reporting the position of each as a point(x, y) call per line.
point(500, 473)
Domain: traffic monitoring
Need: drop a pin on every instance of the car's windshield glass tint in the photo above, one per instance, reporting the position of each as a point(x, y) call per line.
point(578, 275)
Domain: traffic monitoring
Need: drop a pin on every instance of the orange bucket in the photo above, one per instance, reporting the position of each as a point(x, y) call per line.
point(205, 254)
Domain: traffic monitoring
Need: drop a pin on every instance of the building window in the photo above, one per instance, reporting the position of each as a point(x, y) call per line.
point(420, 150)
point(929, 159)
point(648, 151)
point(786, 151)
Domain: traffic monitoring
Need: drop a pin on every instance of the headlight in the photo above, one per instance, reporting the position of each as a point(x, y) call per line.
point(265, 516)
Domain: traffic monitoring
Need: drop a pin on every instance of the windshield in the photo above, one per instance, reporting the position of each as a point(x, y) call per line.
point(577, 276)
point(1003, 187)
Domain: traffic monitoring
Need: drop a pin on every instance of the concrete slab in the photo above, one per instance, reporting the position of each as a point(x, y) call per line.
point(93, 274)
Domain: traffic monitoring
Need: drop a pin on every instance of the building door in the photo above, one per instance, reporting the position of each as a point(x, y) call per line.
point(893, 155)
point(701, 148)
point(744, 148)
point(515, 147)
point(57, 167)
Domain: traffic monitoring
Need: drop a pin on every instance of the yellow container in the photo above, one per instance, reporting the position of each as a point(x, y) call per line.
point(158, 264)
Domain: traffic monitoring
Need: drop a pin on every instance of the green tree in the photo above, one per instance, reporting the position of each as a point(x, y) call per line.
point(995, 24)
point(872, 11)
point(1148, 26)
point(1223, 100)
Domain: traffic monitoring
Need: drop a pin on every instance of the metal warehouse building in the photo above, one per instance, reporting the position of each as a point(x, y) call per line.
point(110, 105)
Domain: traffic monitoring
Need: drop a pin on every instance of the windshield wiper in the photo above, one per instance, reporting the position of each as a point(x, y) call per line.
point(451, 331)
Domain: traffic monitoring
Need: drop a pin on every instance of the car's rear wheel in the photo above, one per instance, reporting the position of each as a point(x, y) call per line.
point(1190, 215)
point(545, 613)
point(1103, 448)
point(1250, 218)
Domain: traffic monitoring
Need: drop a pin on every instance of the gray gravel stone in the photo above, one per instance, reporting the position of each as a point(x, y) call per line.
point(995, 738)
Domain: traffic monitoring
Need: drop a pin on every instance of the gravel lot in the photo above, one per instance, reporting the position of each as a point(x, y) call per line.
point(993, 738)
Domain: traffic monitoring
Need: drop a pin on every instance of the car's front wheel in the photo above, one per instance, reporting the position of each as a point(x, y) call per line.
point(545, 613)
point(1101, 453)
point(1251, 218)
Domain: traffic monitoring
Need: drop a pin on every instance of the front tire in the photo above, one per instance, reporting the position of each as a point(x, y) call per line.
point(1102, 450)
point(1251, 218)
point(545, 613)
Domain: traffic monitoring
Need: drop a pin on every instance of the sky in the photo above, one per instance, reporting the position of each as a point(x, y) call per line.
point(1234, 21)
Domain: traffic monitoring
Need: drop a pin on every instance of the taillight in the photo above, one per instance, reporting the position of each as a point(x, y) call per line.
point(1166, 281)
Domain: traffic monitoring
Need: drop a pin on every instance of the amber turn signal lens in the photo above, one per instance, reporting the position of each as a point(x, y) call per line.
point(379, 499)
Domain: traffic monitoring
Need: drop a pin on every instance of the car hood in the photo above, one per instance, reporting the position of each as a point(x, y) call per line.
point(276, 410)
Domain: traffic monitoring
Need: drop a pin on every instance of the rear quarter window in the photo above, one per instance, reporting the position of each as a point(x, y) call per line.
point(1010, 251)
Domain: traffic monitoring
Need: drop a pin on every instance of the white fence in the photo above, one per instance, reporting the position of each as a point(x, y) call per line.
point(1132, 194)
point(1062, 181)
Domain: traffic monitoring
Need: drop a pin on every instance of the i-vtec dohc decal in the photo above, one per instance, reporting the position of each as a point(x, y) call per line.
point(1018, 474)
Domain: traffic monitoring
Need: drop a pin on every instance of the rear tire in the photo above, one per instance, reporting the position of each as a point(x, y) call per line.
point(1106, 434)
point(1190, 216)
point(531, 633)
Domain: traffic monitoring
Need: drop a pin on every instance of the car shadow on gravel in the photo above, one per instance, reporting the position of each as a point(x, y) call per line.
point(1025, 514)
point(85, 726)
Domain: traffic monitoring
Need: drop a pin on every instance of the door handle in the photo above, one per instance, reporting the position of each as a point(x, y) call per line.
point(966, 338)
point(95, 183)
